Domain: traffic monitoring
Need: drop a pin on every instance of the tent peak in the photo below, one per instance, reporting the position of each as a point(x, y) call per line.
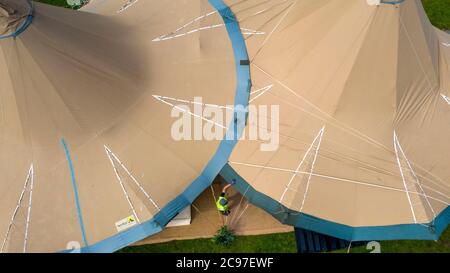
point(15, 17)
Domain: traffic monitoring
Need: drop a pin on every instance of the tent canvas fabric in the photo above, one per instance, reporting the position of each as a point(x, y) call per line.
point(444, 61)
point(364, 129)
point(86, 123)
point(13, 17)
point(266, 18)
point(86, 97)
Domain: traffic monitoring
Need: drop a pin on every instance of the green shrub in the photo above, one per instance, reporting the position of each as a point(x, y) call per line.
point(224, 236)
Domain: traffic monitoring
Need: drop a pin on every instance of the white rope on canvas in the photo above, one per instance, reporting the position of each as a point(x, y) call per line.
point(415, 177)
point(396, 144)
point(338, 179)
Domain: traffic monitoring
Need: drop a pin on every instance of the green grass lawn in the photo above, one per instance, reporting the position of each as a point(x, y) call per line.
point(283, 243)
point(439, 13)
point(274, 243)
point(441, 246)
point(61, 3)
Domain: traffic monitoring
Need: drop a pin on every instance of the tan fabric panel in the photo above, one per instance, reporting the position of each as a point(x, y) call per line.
point(91, 79)
point(12, 16)
point(444, 61)
point(363, 125)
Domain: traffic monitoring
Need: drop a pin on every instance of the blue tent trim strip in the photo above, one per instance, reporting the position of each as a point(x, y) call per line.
point(214, 166)
point(75, 192)
point(24, 26)
point(392, 2)
point(431, 231)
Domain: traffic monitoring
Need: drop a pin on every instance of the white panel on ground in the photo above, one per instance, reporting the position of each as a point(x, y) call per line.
point(182, 219)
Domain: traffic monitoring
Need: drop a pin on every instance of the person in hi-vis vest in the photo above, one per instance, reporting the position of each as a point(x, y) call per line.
point(222, 202)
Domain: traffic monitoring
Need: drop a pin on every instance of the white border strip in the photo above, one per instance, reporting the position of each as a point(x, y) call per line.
point(261, 92)
point(121, 184)
point(30, 177)
point(133, 178)
point(173, 34)
point(396, 144)
point(129, 4)
point(415, 177)
point(30, 201)
point(312, 167)
point(159, 98)
point(447, 99)
point(319, 135)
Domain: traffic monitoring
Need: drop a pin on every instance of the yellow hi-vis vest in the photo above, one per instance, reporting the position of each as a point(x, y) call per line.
point(219, 206)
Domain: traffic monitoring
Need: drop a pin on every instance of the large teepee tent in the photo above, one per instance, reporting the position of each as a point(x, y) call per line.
point(85, 122)
point(364, 123)
point(87, 158)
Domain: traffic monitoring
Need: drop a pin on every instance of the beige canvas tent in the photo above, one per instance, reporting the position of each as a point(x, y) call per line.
point(363, 94)
point(364, 123)
point(86, 153)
